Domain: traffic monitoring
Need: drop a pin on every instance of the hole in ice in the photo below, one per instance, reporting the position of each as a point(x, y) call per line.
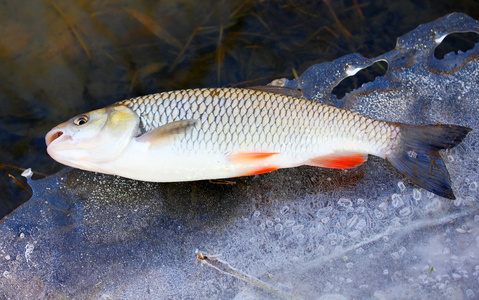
point(456, 42)
point(366, 75)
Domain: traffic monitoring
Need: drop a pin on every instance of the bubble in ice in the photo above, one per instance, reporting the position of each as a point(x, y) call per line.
point(473, 186)
point(383, 206)
point(361, 224)
point(402, 186)
point(325, 210)
point(361, 209)
point(354, 233)
point(332, 236)
point(395, 255)
point(262, 226)
point(289, 223)
point(457, 202)
point(416, 194)
point(29, 247)
point(379, 214)
point(7, 274)
point(297, 228)
point(396, 200)
point(278, 227)
point(405, 212)
point(352, 221)
point(344, 202)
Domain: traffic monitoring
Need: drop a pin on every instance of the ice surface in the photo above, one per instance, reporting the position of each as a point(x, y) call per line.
point(301, 233)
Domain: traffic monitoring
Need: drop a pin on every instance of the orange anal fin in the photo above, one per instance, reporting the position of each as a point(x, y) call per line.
point(249, 157)
point(261, 170)
point(338, 161)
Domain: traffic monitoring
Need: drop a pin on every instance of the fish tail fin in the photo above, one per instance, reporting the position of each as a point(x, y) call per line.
point(417, 155)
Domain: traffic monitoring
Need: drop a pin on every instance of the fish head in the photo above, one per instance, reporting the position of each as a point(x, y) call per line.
point(92, 140)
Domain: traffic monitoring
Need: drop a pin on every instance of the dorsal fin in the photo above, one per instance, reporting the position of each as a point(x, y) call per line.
point(280, 90)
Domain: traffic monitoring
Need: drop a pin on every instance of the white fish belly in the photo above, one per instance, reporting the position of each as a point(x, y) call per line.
point(169, 165)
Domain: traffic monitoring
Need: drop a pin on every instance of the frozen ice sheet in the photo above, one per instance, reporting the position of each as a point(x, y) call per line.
point(300, 233)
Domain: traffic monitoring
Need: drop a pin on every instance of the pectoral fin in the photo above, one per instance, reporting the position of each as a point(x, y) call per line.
point(338, 160)
point(160, 135)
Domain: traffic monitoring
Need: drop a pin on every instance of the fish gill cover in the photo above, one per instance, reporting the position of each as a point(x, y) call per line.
point(295, 233)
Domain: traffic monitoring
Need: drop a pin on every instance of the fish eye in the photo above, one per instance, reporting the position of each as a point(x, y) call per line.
point(80, 120)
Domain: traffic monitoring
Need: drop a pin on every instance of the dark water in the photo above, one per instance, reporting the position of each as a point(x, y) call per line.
point(58, 59)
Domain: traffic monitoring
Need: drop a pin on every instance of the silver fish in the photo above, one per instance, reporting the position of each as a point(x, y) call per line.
point(225, 132)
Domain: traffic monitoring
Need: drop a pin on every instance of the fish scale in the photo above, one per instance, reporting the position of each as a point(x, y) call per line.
point(245, 119)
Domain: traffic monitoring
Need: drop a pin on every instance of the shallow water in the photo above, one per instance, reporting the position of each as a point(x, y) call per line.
point(60, 59)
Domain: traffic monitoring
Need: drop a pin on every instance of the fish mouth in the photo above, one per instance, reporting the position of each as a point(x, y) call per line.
point(53, 135)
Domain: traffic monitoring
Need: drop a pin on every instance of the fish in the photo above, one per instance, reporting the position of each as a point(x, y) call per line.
point(217, 133)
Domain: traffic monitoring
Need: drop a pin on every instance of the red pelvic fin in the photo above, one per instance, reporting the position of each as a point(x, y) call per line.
point(249, 157)
point(338, 161)
point(261, 170)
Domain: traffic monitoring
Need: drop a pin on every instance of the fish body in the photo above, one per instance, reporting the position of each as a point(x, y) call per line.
point(221, 133)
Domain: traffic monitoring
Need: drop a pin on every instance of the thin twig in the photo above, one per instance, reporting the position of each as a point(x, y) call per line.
point(72, 27)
